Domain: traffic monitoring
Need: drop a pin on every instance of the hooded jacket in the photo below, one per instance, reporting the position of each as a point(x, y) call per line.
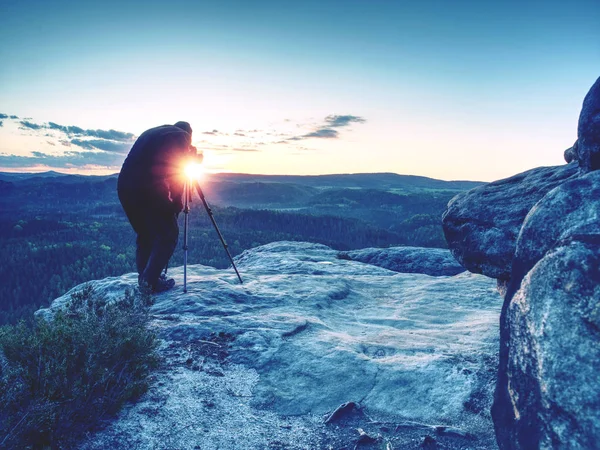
point(153, 169)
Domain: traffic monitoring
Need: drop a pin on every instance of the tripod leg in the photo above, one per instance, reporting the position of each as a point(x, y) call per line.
point(186, 211)
point(212, 219)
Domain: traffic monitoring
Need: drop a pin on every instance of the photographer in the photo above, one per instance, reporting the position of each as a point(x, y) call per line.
point(150, 189)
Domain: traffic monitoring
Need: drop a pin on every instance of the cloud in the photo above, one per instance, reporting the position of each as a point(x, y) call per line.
point(336, 121)
point(82, 147)
point(212, 133)
point(14, 117)
point(1, 123)
point(102, 144)
point(83, 144)
point(65, 129)
point(3, 116)
point(113, 135)
point(108, 136)
point(30, 125)
point(101, 147)
point(326, 131)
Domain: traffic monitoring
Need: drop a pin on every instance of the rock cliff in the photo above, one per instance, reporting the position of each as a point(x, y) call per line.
point(538, 234)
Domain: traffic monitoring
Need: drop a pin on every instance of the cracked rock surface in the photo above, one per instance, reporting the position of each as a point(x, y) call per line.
point(263, 364)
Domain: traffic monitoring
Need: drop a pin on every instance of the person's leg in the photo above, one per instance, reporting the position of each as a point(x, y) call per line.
point(142, 252)
point(165, 235)
point(136, 208)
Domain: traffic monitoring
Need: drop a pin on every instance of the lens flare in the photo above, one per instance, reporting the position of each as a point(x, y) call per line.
point(194, 171)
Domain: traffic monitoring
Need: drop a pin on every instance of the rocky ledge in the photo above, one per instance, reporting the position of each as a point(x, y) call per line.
point(430, 261)
point(314, 352)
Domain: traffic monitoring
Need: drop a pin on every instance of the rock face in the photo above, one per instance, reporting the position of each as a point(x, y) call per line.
point(430, 261)
point(263, 364)
point(588, 130)
point(538, 234)
point(547, 393)
point(482, 225)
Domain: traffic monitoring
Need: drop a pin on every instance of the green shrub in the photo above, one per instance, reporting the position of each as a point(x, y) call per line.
point(60, 376)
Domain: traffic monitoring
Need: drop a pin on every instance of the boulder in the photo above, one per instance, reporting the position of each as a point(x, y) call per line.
point(429, 261)
point(547, 391)
point(570, 154)
point(588, 130)
point(482, 225)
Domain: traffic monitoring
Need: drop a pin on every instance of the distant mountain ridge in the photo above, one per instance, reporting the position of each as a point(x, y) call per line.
point(381, 180)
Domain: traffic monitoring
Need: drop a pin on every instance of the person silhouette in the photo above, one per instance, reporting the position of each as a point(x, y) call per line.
point(150, 189)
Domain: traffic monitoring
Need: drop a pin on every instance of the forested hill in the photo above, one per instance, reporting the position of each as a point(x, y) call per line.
point(57, 231)
point(355, 180)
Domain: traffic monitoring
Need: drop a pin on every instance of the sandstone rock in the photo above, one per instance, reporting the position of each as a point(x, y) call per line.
point(310, 332)
point(571, 154)
point(588, 130)
point(570, 211)
point(430, 261)
point(341, 411)
point(481, 226)
point(547, 392)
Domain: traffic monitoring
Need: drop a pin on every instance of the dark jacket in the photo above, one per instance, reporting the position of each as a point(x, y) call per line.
point(153, 169)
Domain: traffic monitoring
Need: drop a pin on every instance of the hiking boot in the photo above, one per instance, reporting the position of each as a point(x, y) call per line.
point(163, 284)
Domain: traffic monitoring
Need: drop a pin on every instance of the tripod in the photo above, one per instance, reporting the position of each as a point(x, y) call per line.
point(187, 195)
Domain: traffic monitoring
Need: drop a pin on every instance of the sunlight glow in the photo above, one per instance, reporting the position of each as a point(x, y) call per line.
point(194, 171)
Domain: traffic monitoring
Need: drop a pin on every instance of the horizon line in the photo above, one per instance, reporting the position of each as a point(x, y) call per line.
point(25, 172)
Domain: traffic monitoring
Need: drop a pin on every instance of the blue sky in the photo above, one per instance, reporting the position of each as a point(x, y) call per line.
point(447, 89)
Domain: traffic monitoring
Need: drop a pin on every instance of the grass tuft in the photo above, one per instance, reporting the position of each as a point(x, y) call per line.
point(59, 377)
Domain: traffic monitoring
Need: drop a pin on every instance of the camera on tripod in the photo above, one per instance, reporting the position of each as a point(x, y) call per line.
point(193, 168)
point(194, 171)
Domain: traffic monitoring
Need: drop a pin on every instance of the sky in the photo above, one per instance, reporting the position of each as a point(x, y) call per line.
point(455, 90)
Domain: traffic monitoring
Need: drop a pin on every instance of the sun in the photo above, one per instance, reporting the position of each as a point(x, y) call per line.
point(194, 171)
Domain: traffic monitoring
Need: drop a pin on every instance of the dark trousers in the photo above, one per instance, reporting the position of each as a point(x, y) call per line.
point(157, 233)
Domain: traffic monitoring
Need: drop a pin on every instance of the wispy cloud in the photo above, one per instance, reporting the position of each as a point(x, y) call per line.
point(71, 146)
point(336, 121)
point(326, 133)
point(30, 125)
point(327, 130)
point(102, 144)
point(65, 129)
point(72, 130)
point(113, 135)
point(82, 147)
point(212, 133)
